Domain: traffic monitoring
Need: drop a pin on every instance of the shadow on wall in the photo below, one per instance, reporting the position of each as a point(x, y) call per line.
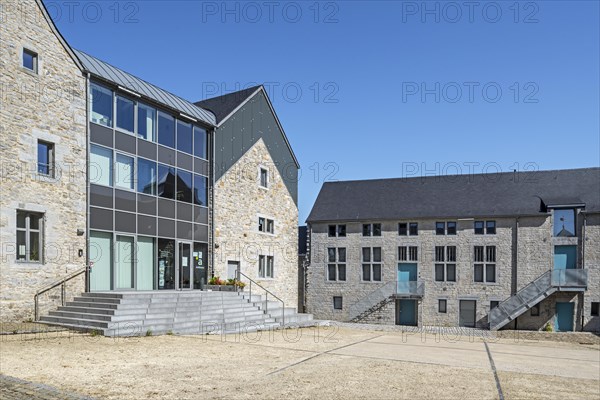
point(592, 325)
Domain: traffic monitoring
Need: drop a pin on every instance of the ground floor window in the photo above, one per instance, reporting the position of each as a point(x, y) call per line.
point(442, 306)
point(29, 236)
point(535, 311)
point(337, 302)
point(265, 266)
point(595, 309)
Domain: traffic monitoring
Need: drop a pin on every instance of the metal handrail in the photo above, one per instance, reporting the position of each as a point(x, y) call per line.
point(373, 298)
point(60, 283)
point(239, 274)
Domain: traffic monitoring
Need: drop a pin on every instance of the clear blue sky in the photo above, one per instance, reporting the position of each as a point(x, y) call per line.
point(362, 68)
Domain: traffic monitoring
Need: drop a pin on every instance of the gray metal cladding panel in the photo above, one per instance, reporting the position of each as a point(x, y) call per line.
point(184, 230)
point(125, 222)
point(125, 201)
point(238, 134)
point(201, 215)
point(101, 196)
point(101, 135)
point(146, 149)
point(146, 225)
point(125, 142)
point(146, 204)
point(184, 211)
point(201, 166)
point(166, 156)
point(200, 233)
point(166, 228)
point(185, 161)
point(166, 208)
point(101, 219)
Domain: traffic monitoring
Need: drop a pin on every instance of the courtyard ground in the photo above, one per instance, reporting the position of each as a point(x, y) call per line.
point(323, 362)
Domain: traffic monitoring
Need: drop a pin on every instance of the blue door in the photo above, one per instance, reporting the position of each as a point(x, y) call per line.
point(565, 257)
point(406, 273)
point(564, 317)
point(406, 312)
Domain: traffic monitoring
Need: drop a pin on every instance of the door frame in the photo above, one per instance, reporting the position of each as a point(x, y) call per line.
point(238, 269)
point(115, 261)
point(398, 311)
point(572, 315)
point(178, 267)
point(474, 313)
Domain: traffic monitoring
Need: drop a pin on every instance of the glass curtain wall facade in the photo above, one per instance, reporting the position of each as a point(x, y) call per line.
point(149, 172)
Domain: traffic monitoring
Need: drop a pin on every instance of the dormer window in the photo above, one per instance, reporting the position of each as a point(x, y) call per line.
point(564, 222)
point(30, 60)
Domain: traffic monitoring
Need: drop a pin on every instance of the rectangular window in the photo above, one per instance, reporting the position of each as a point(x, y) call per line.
point(265, 267)
point(595, 312)
point(102, 105)
point(564, 223)
point(371, 229)
point(264, 177)
point(146, 122)
point(183, 186)
point(45, 158)
point(402, 229)
point(440, 228)
point(535, 310)
point(413, 229)
point(445, 267)
point(332, 231)
point(124, 172)
point(125, 114)
point(402, 253)
point(146, 176)
point(439, 272)
point(371, 266)
point(484, 269)
point(101, 166)
point(266, 225)
point(166, 130)
point(366, 230)
point(337, 230)
point(493, 304)
point(478, 272)
point(376, 229)
point(413, 253)
point(166, 181)
point(451, 272)
point(440, 252)
point(30, 60)
point(478, 226)
point(331, 272)
point(490, 227)
point(366, 275)
point(270, 267)
point(336, 269)
point(490, 273)
point(478, 253)
point(270, 226)
point(337, 302)
point(29, 236)
point(200, 142)
point(442, 306)
point(184, 137)
point(262, 224)
point(490, 253)
point(451, 228)
point(201, 190)
point(451, 253)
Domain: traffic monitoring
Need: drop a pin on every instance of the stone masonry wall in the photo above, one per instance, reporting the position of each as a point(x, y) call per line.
point(239, 201)
point(50, 106)
point(592, 264)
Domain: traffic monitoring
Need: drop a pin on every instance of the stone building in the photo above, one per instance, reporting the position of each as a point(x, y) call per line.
point(509, 250)
point(145, 189)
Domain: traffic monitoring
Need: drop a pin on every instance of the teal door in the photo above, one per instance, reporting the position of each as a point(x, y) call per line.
point(407, 273)
point(406, 312)
point(565, 257)
point(564, 317)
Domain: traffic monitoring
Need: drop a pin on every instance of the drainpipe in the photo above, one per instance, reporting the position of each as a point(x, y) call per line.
point(516, 272)
point(583, 232)
point(212, 203)
point(87, 185)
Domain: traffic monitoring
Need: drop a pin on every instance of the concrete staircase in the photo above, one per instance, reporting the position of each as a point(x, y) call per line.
point(177, 312)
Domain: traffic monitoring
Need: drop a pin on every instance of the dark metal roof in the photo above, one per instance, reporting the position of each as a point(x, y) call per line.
point(119, 77)
point(458, 196)
point(224, 105)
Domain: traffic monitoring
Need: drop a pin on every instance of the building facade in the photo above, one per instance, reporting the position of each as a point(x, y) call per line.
point(509, 250)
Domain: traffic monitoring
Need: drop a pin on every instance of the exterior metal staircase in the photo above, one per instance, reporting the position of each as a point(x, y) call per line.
point(558, 280)
point(382, 295)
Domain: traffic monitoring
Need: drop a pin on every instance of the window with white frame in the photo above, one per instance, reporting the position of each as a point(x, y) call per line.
point(371, 229)
point(484, 227)
point(484, 268)
point(264, 177)
point(408, 253)
point(371, 264)
point(337, 302)
point(445, 228)
point(336, 264)
point(29, 236)
point(266, 225)
point(265, 267)
point(337, 230)
point(445, 263)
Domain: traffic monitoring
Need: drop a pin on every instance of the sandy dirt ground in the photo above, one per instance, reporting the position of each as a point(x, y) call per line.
point(306, 364)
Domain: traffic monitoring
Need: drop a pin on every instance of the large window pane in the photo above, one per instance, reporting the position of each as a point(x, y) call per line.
point(146, 176)
point(125, 114)
point(145, 263)
point(439, 272)
point(166, 181)
point(124, 172)
point(146, 122)
point(200, 190)
point(377, 272)
point(101, 166)
point(101, 256)
point(184, 186)
point(478, 273)
point(342, 272)
point(166, 264)
point(21, 246)
point(490, 273)
point(102, 105)
point(124, 262)
point(184, 137)
point(200, 257)
point(166, 130)
point(200, 142)
point(451, 272)
point(564, 223)
point(366, 272)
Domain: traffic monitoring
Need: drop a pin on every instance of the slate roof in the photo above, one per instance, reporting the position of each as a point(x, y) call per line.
point(459, 196)
point(119, 77)
point(222, 106)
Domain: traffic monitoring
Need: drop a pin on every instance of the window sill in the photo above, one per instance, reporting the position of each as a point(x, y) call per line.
point(30, 72)
point(263, 188)
point(338, 281)
point(371, 282)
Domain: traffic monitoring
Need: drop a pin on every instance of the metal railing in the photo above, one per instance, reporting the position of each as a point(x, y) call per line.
point(60, 283)
point(410, 288)
point(267, 293)
point(570, 277)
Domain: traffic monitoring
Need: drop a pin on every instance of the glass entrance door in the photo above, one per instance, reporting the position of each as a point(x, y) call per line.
point(184, 258)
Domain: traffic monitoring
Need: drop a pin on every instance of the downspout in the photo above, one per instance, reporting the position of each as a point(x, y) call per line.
point(212, 203)
point(87, 185)
point(583, 232)
point(516, 285)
